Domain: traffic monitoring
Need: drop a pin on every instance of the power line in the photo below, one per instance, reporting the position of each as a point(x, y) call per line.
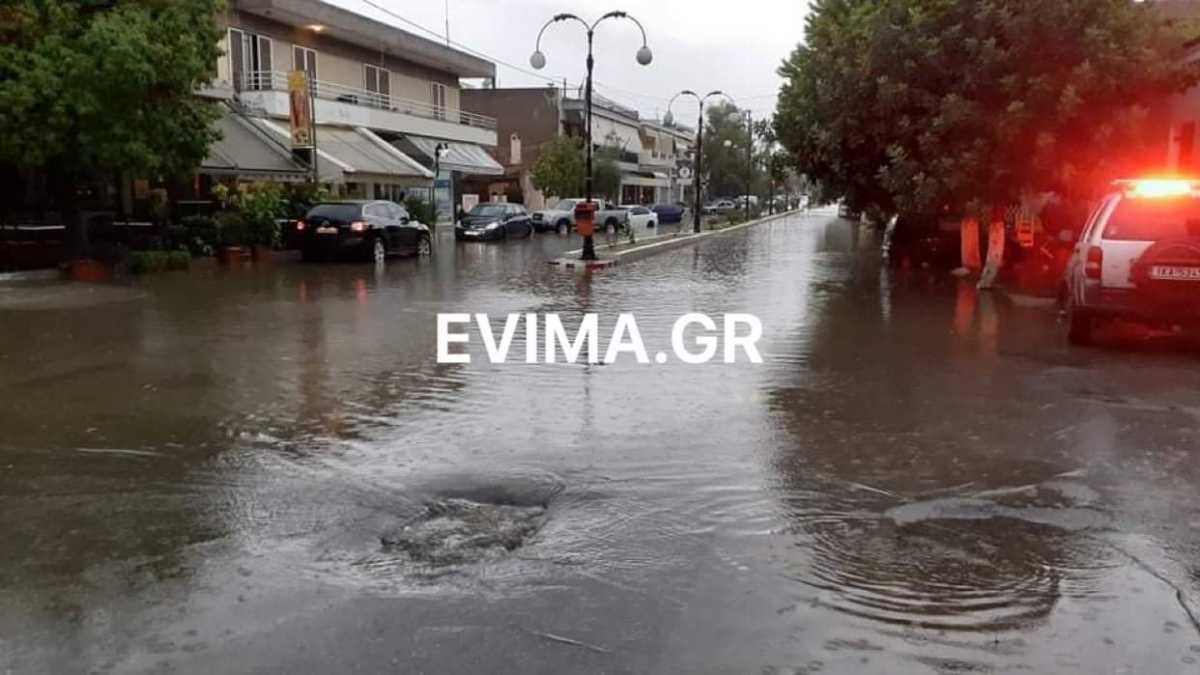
point(524, 71)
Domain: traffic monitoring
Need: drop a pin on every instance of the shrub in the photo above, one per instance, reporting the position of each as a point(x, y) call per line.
point(421, 210)
point(179, 260)
point(197, 233)
point(231, 229)
point(261, 205)
point(142, 262)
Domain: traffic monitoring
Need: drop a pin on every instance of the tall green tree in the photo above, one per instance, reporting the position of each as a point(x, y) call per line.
point(924, 106)
point(606, 174)
point(100, 87)
point(559, 169)
point(725, 165)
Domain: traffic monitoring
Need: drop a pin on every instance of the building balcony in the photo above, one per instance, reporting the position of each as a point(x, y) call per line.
point(656, 160)
point(350, 106)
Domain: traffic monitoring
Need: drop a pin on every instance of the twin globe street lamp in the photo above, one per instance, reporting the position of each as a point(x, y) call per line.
point(668, 119)
point(538, 61)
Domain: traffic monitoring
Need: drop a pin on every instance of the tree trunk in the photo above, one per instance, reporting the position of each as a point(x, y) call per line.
point(65, 193)
point(969, 231)
point(995, 256)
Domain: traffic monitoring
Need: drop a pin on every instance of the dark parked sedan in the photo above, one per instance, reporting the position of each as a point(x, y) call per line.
point(363, 229)
point(493, 221)
point(668, 213)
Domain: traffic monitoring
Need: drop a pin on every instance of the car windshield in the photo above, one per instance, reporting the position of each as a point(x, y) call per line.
point(565, 205)
point(487, 210)
point(1154, 219)
point(335, 211)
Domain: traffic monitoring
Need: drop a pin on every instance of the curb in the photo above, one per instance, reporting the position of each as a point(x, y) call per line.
point(658, 245)
point(31, 275)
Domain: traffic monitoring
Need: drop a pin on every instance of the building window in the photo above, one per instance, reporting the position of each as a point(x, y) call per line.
point(379, 84)
point(439, 100)
point(514, 148)
point(305, 59)
point(250, 60)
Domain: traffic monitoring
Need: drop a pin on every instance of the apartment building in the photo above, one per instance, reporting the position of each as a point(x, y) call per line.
point(654, 159)
point(526, 118)
point(667, 154)
point(385, 101)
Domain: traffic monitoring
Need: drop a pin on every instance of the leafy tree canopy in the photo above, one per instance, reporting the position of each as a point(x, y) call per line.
point(106, 85)
point(926, 105)
point(559, 169)
point(725, 167)
point(606, 174)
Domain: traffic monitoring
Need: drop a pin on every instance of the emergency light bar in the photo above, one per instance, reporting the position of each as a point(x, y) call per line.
point(1159, 188)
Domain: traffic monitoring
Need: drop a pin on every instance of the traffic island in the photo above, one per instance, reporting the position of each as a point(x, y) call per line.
point(614, 254)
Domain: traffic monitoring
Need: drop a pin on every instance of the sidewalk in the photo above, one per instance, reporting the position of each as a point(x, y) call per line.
point(608, 256)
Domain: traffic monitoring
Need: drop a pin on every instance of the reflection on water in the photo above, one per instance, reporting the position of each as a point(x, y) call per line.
point(919, 476)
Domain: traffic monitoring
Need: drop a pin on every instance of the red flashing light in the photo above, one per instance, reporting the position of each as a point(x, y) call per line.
point(1161, 188)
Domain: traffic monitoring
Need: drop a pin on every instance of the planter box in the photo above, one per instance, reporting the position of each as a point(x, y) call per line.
point(262, 254)
point(229, 255)
point(92, 271)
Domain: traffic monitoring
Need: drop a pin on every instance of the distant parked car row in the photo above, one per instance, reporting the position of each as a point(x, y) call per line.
point(377, 229)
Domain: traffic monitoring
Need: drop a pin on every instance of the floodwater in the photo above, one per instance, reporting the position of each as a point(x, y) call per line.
point(264, 469)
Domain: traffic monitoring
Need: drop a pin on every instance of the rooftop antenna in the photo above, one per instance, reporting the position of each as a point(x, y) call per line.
point(447, 23)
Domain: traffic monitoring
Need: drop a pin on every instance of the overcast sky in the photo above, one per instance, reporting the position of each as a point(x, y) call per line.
point(734, 46)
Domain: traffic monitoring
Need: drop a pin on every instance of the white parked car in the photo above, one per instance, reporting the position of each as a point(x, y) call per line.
point(720, 207)
point(640, 216)
point(1138, 258)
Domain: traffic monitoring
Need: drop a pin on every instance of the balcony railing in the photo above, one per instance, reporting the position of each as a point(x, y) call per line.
point(274, 80)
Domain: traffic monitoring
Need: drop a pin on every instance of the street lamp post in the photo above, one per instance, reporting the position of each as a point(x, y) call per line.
point(699, 147)
point(538, 61)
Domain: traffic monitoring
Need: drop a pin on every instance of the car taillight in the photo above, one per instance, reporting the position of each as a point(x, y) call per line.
point(358, 226)
point(1095, 260)
point(300, 225)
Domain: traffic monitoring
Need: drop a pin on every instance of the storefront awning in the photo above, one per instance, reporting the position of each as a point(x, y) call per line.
point(357, 154)
point(247, 151)
point(467, 158)
point(645, 179)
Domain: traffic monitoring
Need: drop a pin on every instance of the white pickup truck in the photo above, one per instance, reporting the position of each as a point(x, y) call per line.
point(561, 217)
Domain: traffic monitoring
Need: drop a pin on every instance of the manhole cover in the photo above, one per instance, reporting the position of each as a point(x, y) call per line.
point(454, 531)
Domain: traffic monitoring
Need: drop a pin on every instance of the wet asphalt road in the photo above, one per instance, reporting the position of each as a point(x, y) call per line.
point(264, 470)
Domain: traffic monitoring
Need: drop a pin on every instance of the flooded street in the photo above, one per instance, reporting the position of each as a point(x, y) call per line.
point(265, 470)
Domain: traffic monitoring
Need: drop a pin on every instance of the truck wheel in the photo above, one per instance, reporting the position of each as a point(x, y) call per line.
point(1080, 326)
point(563, 227)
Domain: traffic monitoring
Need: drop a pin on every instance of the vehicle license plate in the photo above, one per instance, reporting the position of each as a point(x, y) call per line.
point(326, 230)
point(1175, 273)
